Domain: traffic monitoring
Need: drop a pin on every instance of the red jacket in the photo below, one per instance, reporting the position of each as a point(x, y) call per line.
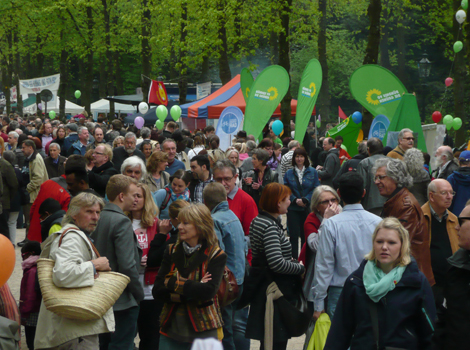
point(55, 188)
point(312, 224)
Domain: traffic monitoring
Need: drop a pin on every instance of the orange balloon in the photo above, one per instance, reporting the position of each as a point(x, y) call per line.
point(7, 259)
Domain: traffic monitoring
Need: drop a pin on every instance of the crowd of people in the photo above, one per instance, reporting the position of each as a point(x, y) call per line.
point(379, 241)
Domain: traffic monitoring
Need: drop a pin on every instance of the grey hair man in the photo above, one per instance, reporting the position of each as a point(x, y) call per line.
point(120, 154)
point(55, 163)
point(286, 160)
point(442, 233)
point(103, 169)
point(134, 167)
point(372, 200)
point(80, 146)
point(76, 266)
point(444, 163)
point(392, 180)
point(405, 142)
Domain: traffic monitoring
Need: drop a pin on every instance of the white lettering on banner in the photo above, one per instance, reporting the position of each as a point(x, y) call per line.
point(262, 95)
point(36, 85)
point(389, 97)
point(306, 92)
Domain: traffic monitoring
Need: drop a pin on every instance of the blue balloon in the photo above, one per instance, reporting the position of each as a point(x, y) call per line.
point(357, 117)
point(277, 127)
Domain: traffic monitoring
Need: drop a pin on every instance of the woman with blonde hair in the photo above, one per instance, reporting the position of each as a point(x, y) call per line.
point(188, 281)
point(387, 302)
point(118, 142)
point(157, 178)
point(144, 217)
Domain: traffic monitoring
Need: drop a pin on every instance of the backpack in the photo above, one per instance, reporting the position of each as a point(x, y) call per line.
point(166, 200)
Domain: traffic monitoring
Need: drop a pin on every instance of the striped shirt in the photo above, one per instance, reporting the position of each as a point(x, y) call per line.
point(268, 239)
point(286, 162)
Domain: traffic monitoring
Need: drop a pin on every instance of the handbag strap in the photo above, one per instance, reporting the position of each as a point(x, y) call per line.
point(89, 240)
point(375, 321)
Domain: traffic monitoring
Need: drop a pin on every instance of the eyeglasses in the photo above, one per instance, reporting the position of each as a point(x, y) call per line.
point(328, 201)
point(380, 177)
point(409, 138)
point(462, 218)
point(223, 179)
point(99, 153)
point(443, 193)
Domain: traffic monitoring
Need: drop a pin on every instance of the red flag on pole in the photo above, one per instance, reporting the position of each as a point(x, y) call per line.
point(157, 93)
point(341, 113)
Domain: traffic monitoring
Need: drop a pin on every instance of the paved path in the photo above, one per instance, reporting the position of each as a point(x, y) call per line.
point(15, 281)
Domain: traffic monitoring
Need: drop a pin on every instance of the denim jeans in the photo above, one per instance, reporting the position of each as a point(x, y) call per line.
point(228, 316)
point(333, 297)
point(239, 328)
point(124, 334)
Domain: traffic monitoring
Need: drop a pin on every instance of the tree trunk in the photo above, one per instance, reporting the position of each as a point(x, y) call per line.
point(118, 74)
point(324, 96)
point(284, 61)
point(146, 51)
point(103, 76)
point(384, 54)
point(459, 81)
point(372, 51)
point(183, 80)
point(16, 81)
point(63, 78)
point(108, 55)
point(224, 66)
point(87, 89)
point(401, 59)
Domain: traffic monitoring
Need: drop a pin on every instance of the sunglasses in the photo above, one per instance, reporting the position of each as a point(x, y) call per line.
point(462, 219)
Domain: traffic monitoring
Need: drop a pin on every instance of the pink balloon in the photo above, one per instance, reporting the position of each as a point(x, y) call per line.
point(139, 122)
point(449, 81)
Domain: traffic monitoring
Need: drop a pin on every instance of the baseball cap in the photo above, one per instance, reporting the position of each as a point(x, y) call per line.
point(465, 155)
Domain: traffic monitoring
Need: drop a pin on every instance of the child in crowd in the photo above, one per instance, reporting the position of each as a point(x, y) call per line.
point(30, 295)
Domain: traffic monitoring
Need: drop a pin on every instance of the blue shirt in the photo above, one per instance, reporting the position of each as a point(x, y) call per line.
point(344, 241)
point(231, 237)
point(176, 165)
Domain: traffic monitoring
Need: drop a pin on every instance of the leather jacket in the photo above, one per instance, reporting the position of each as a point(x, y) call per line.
point(404, 206)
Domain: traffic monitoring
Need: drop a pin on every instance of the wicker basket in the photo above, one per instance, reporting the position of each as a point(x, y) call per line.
point(87, 303)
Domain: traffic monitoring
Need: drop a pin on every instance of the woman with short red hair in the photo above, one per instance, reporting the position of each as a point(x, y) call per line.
point(272, 261)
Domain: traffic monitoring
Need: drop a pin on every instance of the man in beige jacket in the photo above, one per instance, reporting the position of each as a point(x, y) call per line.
point(76, 266)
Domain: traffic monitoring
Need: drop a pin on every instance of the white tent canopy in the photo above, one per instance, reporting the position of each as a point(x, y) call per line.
point(102, 106)
point(70, 107)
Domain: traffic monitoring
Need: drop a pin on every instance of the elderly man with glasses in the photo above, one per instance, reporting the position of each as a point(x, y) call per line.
point(392, 180)
point(442, 232)
point(103, 169)
point(405, 142)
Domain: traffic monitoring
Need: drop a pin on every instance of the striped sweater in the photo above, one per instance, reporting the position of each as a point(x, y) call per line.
point(269, 242)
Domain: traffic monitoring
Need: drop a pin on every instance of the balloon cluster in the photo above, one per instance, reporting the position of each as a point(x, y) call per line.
point(162, 113)
point(448, 120)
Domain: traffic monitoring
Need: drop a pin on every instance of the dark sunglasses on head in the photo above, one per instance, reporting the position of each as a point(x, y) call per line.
point(462, 218)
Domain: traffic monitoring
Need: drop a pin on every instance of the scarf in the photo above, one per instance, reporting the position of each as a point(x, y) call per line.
point(378, 283)
point(188, 250)
point(184, 196)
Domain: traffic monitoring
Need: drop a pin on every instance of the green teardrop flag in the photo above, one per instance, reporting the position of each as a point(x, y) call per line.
point(309, 89)
point(246, 81)
point(267, 91)
point(377, 89)
point(407, 116)
point(351, 133)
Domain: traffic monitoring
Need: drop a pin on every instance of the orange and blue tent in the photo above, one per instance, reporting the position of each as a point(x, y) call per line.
point(230, 94)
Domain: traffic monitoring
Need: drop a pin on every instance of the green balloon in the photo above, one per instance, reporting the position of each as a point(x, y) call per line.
point(458, 46)
point(175, 112)
point(52, 114)
point(78, 94)
point(457, 123)
point(318, 123)
point(162, 112)
point(447, 120)
point(449, 126)
point(159, 124)
point(464, 4)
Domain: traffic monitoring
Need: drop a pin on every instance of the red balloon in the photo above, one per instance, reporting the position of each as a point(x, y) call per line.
point(436, 117)
point(449, 81)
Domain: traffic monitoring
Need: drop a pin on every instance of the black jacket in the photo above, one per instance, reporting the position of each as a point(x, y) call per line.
point(120, 155)
point(405, 315)
point(349, 165)
point(55, 170)
point(53, 219)
point(98, 177)
point(454, 324)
